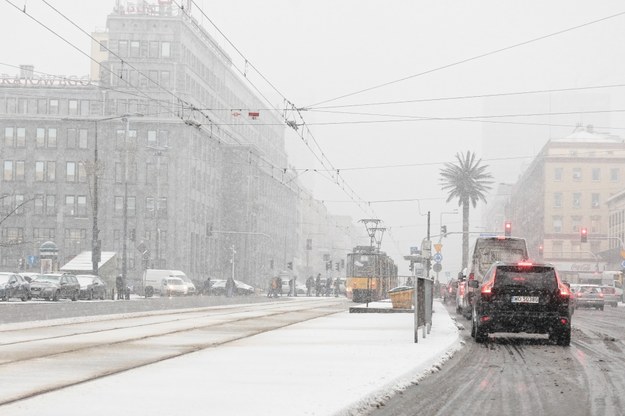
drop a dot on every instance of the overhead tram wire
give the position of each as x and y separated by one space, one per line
142 94
465 97
321 158
474 58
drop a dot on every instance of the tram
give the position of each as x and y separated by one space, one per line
370 274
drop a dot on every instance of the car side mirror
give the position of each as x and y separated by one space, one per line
474 284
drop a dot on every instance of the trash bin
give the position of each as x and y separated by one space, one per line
401 297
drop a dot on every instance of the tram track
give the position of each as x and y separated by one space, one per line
41 355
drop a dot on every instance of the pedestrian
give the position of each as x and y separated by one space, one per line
290 287
328 286
230 287
337 287
318 285
310 282
119 285
294 285
206 290
278 286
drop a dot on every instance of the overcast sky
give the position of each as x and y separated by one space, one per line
315 52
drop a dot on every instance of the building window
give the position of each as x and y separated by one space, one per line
51 137
70 205
596 174
132 206
577 174
83 139
72 107
45 171
165 79
577 200
85 108
43 234
40 137
71 174
557 224
38 203
22 106
13 170
614 174
595 200
122 48
50 205
118 207
152 138
53 106
557 200
21 137
9 136
165 50
557 174
576 221
135 47
595 224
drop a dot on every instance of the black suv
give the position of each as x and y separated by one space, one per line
522 297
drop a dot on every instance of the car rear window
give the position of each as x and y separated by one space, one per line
529 277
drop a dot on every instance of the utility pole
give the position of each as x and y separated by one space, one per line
125 226
95 244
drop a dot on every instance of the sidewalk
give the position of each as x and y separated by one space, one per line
341 364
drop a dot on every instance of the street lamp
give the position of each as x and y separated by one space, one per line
96 248
158 152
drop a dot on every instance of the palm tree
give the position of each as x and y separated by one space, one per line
467 181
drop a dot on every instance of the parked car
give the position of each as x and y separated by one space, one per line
191 289
91 287
173 286
29 276
450 292
55 286
13 285
610 296
521 297
588 296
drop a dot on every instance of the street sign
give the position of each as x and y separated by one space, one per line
437 267
437 257
33 259
414 250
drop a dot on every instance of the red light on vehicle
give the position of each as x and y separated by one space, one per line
471 276
501 237
564 290
487 288
564 321
525 264
600 294
485 318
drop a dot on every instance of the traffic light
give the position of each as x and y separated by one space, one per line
289 265
336 266
443 230
508 229
329 265
411 267
20 263
584 234
540 250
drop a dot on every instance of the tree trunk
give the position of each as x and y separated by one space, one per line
465 233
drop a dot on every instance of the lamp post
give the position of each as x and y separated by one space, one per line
158 152
96 248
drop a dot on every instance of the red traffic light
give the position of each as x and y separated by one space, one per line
508 229
584 234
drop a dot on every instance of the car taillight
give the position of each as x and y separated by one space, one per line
600 294
471 276
487 287
564 290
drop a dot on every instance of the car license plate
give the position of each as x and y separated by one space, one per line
524 299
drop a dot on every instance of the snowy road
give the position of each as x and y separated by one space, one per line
523 377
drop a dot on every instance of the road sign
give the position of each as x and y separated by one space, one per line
623 264
33 259
437 247
437 267
438 257
414 250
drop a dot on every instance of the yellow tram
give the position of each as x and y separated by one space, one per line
370 274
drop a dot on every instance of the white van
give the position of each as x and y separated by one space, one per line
153 280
